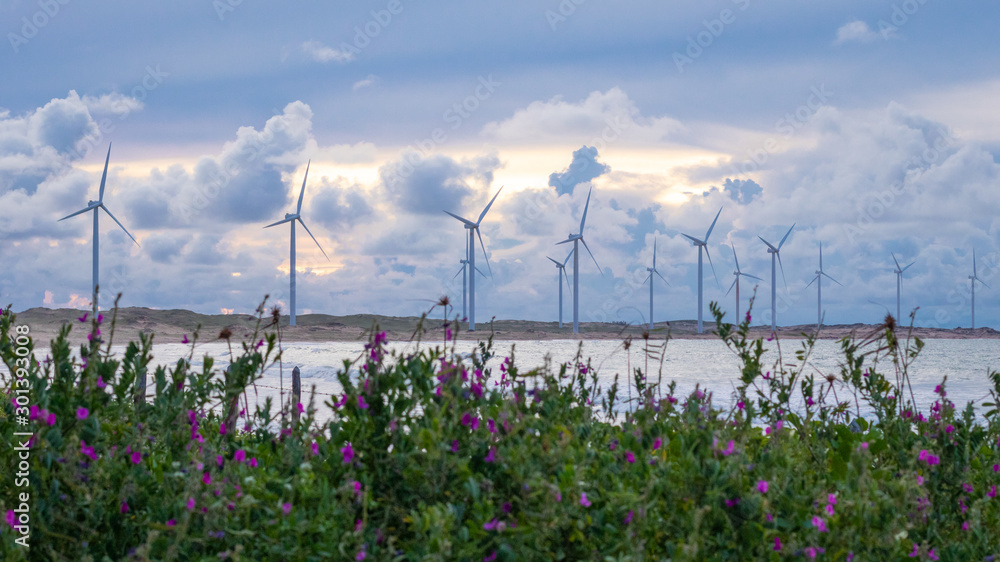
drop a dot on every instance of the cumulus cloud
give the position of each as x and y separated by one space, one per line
321 53
112 104
583 168
340 205
739 191
365 82
426 185
856 31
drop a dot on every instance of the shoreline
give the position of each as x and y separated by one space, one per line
171 326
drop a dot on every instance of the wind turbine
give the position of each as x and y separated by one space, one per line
562 273
736 282
818 280
703 245
291 218
96 206
899 280
576 239
651 271
463 271
973 278
473 228
776 256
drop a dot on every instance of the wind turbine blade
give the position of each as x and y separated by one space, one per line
984 283
813 281
120 224
569 286
303 223
566 241
713 225
895 260
693 240
585 207
734 256
554 261
481 272
769 245
733 285
832 279
80 212
648 278
592 256
302 192
282 221
908 267
460 270
567 257
484 250
974 274
466 221
782 243
751 276
785 281
486 210
719 285
654 253
821 256
661 277
104 178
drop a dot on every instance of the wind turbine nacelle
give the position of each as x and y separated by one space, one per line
289 215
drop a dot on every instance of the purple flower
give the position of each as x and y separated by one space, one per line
762 486
490 525
100 382
51 419
315 448
777 544
454 446
583 499
491 558
171 523
361 403
730 448
300 408
240 456
124 507
82 413
253 462
206 478
630 457
491 456
12 519
185 340
286 508
348 452
628 518
831 499
190 504
492 425
949 429
87 451
993 492
83 318
810 551
136 457
819 523
657 444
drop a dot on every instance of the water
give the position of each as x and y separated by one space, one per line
707 363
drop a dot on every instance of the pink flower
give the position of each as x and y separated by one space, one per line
730 448
993 492
315 448
629 456
222 429
100 382
124 507
357 488
206 478
818 522
185 340
777 544
361 555
492 425
100 318
831 499
762 486
136 457
583 499
253 462
658 443
51 419
454 446
83 318
300 408
87 451
965 525
12 519
171 523
628 518
286 508
492 455
829 510
491 525
361 403
348 452
810 551
219 459
240 456
949 429
82 413
932 555
190 504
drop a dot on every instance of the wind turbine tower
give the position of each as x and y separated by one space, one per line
818 280
972 279
291 218
776 257
736 282
576 239
899 281
652 271
561 267
473 228
96 206
703 245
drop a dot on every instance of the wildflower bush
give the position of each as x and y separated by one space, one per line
433 455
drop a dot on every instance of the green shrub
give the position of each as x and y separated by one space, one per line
429 456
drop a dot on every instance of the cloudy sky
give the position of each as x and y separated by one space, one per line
871 125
